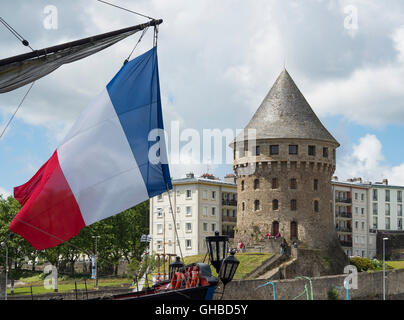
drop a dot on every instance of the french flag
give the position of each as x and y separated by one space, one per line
102 167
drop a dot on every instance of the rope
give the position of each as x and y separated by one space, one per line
15 33
175 223
9 121
125 9
140 39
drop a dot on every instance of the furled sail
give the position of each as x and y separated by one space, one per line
20 70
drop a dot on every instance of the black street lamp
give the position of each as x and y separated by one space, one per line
176 266
217 249
228 268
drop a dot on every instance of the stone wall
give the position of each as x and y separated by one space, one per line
370 286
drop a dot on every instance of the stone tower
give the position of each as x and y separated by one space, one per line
287 188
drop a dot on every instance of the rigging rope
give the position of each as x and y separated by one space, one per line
9 121
114 5
15 33
140 39
175 223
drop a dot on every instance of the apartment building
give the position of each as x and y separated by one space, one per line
202 205
361 209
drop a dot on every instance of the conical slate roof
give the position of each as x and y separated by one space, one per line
285 113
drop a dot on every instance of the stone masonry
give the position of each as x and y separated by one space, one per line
287 185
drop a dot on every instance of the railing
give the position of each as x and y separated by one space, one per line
227 202
343 214
229 219
346 243
230 234
349 200
341 229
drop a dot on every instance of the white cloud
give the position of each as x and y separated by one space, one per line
4 193
367 161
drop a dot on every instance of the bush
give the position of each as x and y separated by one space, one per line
366 264
333 294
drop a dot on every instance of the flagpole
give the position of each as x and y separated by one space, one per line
175 223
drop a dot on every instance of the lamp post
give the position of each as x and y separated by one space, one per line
217 248
384 268
95 262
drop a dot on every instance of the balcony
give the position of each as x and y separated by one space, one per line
344 215
344 229
227 202
229 219
228 233
341 200
346 243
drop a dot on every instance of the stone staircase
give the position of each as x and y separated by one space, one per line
275 273
267 266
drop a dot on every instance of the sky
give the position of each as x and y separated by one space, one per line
217 61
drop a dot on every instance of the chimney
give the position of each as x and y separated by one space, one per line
335 178
190 175
385 181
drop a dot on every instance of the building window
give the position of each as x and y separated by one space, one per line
316 206
356 225
387 209
205 227
159 228
274 149
159 245
213 211
356 196
160 197
375 195
388 195
256 205
234 213
375 222
363 226
275 204
256 184
243 206
399 223
257 150
160 212
293 205
400 210
333 154
356 209
362 211
189 194
293 149
275 183
213 227
293 183
188 227
178 226
188 243
205 211
242 185
399 196
213 195
325 152
188 211
362 197
312 150
205 194
228 213
315 184
387 223
375 209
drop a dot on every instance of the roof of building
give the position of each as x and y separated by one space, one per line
202 180
366 184
285 113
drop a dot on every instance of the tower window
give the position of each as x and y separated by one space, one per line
325 152
293 204
293 149
315 185
243 206
256 184
256 205
293 183
312 150
275 204
242 185
275 184
316 207
274 149
257 150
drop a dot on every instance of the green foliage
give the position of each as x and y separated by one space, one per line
333 294
119 240
366 264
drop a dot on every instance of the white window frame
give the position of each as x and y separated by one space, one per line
188 224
